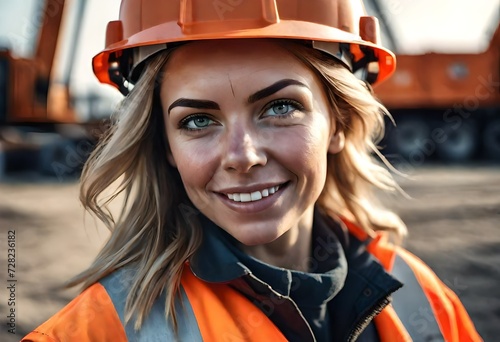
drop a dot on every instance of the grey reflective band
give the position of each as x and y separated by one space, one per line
155 327
142 53
334 50
413 307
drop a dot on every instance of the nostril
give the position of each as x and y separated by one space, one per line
243 149
243 160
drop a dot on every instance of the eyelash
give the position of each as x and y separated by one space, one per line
294 103
183 123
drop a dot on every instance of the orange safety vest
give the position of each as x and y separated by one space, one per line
217 312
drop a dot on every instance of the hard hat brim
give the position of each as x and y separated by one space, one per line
286 29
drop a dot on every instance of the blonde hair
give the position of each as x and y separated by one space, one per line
153 232
354 173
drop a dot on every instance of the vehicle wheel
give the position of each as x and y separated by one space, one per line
410 136
460 143
491 140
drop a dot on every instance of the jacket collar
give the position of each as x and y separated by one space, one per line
214 261
364 294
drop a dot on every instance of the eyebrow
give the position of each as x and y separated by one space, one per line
191 103
261 94
274 88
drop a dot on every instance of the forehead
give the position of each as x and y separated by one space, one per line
246 59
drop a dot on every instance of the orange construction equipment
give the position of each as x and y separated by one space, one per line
445 105
441 80
27 82
39 129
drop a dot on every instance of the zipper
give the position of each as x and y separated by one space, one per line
367 318
247 286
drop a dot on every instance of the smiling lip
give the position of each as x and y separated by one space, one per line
254 195
252 199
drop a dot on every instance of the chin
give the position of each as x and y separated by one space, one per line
257 237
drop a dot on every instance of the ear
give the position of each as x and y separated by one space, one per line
337 142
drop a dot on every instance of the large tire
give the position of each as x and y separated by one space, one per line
410 136
460 144
491 140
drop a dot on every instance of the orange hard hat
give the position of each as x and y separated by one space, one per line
337 27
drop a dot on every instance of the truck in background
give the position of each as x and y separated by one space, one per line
446 106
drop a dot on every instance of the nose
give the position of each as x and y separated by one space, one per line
243 151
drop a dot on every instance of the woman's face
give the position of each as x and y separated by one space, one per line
249 128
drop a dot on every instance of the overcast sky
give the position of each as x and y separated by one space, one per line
419 25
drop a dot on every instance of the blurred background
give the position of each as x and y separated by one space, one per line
444 97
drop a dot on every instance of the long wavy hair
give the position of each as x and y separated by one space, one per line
157 231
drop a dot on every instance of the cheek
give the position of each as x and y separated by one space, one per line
305 146
313 156
196 162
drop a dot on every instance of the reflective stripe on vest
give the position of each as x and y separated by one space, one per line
409 302
155 327
413 307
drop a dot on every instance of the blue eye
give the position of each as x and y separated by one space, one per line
196 122
282 108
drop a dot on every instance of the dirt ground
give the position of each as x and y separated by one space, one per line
453 220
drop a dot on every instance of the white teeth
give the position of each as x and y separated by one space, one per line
254 196
245 197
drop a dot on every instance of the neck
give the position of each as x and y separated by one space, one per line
291 250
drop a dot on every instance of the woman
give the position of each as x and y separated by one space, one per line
245 153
